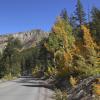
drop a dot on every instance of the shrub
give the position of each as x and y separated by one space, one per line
51 72
60 95
8 77
96 88
73 81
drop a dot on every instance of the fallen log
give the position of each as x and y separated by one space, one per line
82 89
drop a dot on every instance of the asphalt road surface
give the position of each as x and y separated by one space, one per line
24 89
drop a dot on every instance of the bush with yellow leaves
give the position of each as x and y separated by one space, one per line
96 88
60 95
51 72
73 81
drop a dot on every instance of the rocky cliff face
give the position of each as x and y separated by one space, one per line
27 38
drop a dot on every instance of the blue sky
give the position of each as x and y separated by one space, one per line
24 15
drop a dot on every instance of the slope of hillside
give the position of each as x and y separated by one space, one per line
27 38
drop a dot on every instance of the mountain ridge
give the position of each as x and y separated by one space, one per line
27 38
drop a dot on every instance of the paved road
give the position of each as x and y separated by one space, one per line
24 89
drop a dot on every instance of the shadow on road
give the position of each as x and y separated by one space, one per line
33 82
39 85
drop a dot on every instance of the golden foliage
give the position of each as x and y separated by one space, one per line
60 30
63 60
73 81
98 60
96 88
67 56
35 71
88 41
60 95
51 71
79 48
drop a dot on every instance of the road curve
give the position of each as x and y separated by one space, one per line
24 89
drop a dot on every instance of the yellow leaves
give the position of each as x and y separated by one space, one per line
73 81
98 59
96 88
63 61
62 58
61 44
8 77
60 30
60 95
51 71
35 71
59 27
89 43
59 58
67 56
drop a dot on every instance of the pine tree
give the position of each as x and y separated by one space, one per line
73 21
95 24
64 15
10 57
80 14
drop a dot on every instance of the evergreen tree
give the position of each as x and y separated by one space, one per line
64 15
95 24
10 57
80 14
73 21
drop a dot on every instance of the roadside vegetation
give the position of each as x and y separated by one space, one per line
70 54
